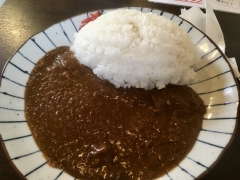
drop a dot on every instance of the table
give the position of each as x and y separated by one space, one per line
19 20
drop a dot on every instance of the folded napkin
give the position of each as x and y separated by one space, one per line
208 23
1 2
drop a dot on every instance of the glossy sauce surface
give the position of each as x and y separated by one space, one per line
96 131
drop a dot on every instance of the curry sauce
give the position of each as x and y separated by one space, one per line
97 131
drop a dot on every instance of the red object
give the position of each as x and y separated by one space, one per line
92 17
192 1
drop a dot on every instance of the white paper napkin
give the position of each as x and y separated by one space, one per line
208 23
1 2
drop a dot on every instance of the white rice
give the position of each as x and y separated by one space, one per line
134 49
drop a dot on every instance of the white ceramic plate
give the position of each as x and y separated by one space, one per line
214 83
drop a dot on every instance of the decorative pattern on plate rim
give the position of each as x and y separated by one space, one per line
214 83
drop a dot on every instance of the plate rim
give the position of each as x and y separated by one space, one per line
204 173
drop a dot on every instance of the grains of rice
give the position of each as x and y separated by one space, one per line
134 49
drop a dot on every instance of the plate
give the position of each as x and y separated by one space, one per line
214 83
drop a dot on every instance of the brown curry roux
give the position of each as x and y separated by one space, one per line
96 131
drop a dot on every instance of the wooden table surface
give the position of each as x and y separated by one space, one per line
20 19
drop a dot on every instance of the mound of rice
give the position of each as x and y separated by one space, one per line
134 49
